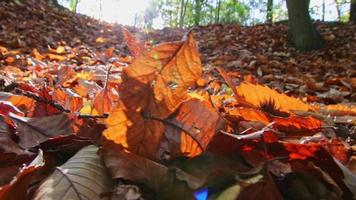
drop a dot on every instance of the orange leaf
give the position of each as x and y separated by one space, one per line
249 114
10 60
154 85
190 130
339 109
296 123
23 103
102 102
258 95
301 151
136 47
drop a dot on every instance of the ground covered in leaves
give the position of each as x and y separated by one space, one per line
90 110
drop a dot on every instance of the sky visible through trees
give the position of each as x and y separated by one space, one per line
131 12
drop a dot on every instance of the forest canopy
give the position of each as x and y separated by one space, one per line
186 13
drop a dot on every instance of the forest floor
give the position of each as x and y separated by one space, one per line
50 58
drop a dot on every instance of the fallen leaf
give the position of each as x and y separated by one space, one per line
32 131
83 176
259 94
167 183
190 130
136 47
12 157
18 188
154 85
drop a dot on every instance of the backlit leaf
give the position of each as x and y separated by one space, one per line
260 94
190 130
154 85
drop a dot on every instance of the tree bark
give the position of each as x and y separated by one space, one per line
269 16
183 8
302 34
217 19
197 14
338 10
353 10
323 10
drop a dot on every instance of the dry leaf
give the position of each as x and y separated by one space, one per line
83 176
154 86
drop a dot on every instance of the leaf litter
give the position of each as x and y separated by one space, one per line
90 110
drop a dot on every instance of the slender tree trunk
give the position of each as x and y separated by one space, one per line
338 10
302 34
55 4
323 10
353 11
197 14
183 8
269 16
217 19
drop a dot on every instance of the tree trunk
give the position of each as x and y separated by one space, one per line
302 34
353 11
217 19
338 9
323 10
183 8
198 7
55 4
269 16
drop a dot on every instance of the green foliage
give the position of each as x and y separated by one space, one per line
186 13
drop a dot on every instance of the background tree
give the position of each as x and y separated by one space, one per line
353 10
269 16
302 34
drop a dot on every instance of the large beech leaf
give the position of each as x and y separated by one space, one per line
32 131
190 130
82 177
157 81
154 85
166 182
258 95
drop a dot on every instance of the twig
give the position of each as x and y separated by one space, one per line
42 100
104 116
57 105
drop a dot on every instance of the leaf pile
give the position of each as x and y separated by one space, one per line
87 121
326 75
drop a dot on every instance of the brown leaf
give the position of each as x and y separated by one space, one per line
265 189
32 131
19 187
83 176
12 157
164 181
190 130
